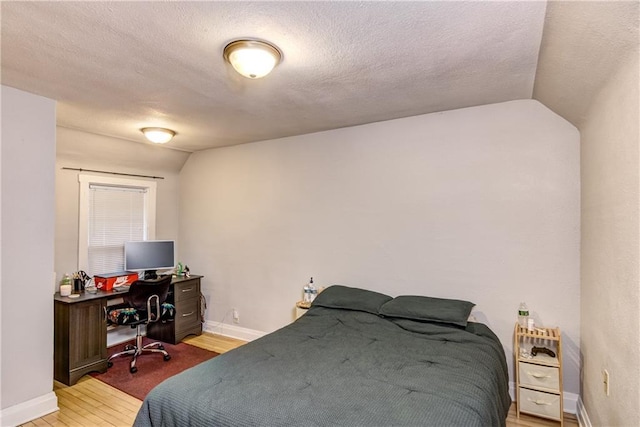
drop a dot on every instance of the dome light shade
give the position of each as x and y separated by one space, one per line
158 135
252 58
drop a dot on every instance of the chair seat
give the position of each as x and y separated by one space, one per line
119 315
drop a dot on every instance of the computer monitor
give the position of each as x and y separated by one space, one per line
149 256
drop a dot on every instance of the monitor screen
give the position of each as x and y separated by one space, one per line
149 255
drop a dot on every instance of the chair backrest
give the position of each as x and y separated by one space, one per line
141 290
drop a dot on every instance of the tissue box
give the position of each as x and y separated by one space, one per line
106 282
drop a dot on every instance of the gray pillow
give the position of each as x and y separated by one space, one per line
338 296
451 311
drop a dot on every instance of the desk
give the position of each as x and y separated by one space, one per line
80 327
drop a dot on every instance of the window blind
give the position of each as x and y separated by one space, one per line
116 215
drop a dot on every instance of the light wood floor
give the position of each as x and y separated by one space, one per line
91 402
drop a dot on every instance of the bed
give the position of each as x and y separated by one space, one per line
356 358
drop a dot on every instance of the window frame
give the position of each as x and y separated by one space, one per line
83 216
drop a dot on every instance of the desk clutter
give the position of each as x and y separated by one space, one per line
74 284
80 282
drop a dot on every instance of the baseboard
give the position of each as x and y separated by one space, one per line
583 417
29 410
569 401
232 331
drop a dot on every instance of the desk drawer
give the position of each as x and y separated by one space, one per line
537 376
539 403
187 313
185 296
186 290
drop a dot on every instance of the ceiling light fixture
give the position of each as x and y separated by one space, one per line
252 58
158 135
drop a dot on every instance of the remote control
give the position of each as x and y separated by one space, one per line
536 350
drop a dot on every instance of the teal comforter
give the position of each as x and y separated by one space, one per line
336 367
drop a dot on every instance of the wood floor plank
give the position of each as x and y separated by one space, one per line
109 409
78 392
96 391
80 416
53 419
110 394
39 422
68 417
91 402
218 343
84 409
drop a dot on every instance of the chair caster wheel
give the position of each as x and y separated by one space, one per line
133 370
109 364
160 347
167 357
128 347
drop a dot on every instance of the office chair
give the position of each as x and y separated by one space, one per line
143 304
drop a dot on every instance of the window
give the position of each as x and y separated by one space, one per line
113 211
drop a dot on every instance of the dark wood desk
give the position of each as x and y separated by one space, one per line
80 327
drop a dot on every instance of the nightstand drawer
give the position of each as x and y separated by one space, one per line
539 403
537 376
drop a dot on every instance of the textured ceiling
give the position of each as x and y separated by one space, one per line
584 43
115 67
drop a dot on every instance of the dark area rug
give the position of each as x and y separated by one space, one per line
152 368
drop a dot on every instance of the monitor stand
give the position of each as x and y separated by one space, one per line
150 275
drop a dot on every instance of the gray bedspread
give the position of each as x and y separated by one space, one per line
337 367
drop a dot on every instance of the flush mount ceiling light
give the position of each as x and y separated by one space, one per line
252 58
158 135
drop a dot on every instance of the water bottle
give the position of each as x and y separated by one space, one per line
313 292
523 315
307 294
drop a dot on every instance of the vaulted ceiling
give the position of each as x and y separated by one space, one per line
115 67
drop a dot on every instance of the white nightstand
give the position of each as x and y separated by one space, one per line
539 378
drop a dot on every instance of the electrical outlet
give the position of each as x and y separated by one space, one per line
236 316
605 380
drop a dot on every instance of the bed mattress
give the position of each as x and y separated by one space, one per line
335 367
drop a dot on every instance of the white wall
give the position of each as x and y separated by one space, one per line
610 250
77 149
28 154
480 204
1 251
